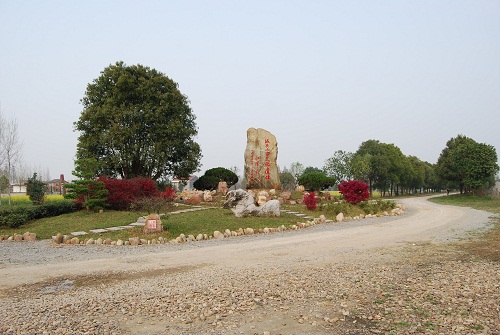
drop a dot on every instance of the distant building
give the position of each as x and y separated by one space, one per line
56 186
18 188
183 184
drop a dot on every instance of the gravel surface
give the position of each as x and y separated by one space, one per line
391 275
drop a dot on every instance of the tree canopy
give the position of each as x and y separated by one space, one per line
387 169
466 164
339 166
210 180
136 123
316 180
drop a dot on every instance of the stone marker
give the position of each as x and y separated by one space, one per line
261 154
153 224
222 188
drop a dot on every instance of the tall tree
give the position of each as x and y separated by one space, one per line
287 180
371 158
339 166
467 164
381 164
12 148
135 122
296 169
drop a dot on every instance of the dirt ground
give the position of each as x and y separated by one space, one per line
373 252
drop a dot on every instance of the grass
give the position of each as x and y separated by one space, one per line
487 245
78 221
207 221
200 222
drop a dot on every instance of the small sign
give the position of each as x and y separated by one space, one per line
152 224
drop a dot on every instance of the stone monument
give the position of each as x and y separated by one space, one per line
261 154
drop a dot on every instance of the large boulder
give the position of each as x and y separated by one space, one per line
243 204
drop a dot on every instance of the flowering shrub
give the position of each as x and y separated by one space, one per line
310 201
354 191
122 193
169 194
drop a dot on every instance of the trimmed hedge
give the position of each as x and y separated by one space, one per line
18 216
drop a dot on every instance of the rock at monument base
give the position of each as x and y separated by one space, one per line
242 204
222 188
207 196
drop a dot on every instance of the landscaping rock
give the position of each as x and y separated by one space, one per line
59 238
218 235
134 241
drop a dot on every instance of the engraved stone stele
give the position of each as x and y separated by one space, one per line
261 154
153 224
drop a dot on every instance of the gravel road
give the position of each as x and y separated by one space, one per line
390 275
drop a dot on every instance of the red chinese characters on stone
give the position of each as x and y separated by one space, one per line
267 171
260 159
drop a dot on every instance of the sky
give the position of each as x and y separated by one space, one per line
320 75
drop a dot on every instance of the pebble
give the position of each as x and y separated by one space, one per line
417 290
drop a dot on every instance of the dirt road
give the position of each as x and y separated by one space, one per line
423 222
305 282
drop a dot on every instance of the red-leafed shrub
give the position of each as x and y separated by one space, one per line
310 201
169 194
145 187
122 193
354 191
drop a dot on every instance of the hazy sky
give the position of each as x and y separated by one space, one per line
321 76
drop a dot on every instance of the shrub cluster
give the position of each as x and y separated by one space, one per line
310 201
169 194
17 216
354 191
86 193
123 193
334 208
376 206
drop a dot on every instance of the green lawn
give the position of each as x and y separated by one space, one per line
486 203
204 222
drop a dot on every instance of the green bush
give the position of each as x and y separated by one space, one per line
13 220
376 206
36 190
342 207
17 216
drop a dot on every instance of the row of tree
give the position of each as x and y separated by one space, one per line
13 171
10 151
135 122
463 164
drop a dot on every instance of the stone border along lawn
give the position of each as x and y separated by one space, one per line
135 241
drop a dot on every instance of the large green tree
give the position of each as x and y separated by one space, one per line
466 164
135 122
296 169
339 166
383 165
